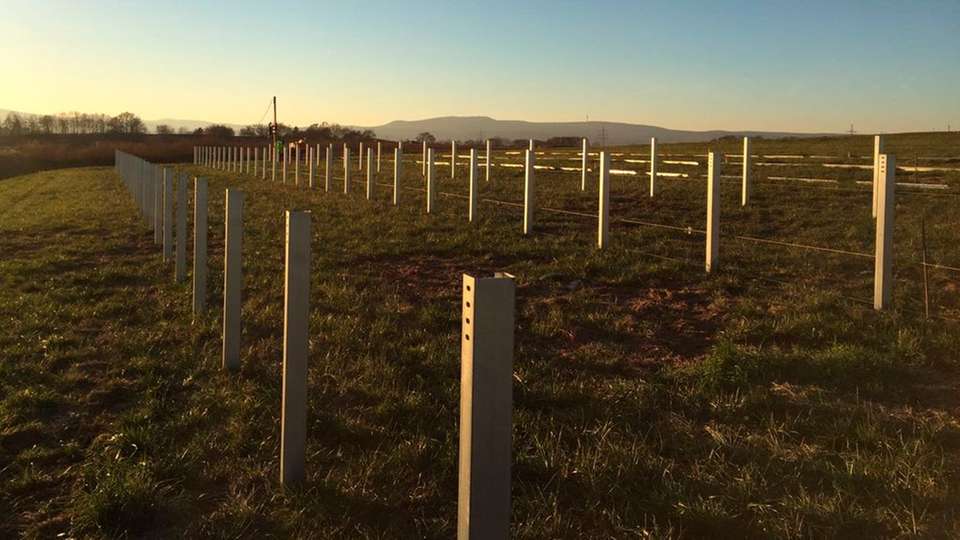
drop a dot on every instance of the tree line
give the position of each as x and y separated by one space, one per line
72 123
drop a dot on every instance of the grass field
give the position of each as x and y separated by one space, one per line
765 400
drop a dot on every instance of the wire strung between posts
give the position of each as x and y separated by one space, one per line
687 230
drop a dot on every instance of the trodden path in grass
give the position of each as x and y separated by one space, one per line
649 399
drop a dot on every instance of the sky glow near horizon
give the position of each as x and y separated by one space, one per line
777 66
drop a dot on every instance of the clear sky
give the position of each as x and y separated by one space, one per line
766 65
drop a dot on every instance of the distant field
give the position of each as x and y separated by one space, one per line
765 400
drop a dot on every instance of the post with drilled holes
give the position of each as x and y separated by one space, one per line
529 199
232 279
430 180
883 261
653 166
199 246
396 176
326 174
296 319
746 188
167 214
486 408
603 216
877 150
180 268
713 210
369 173
583 164
474 191
487 160
453 158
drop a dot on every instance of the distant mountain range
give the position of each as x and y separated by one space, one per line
483 127
614 133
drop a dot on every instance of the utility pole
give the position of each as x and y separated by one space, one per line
275 128
851 132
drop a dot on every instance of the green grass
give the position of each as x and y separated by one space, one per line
765 400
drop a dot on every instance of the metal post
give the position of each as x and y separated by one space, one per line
886 208
653 166
486 408
603 216
369 173
326 176
714 159
296 326
474 191
529 199
583 164
180 268
430 180
453 158
346 169
487 158
232 279
199 246
746 188
396 176
167 215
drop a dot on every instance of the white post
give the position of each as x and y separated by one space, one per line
877 150
714 159
474 192
746 188
653 166
886 212
157 191
453 158
296 326
167 214
232 278
430 180
296 167
486 408
369 173
379 149
199 246
360 157
529 202
396 176
531 145
583 164
487 158
326 175
346 169
423 160
180 266
310 166
603 217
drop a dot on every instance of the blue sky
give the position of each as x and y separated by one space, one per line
798 66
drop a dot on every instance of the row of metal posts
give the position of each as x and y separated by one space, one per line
712 244
486 371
